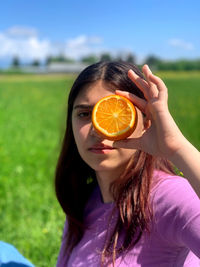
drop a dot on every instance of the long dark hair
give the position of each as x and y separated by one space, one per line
130 191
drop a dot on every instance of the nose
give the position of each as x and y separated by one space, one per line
94 133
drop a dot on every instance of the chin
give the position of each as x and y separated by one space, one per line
103 167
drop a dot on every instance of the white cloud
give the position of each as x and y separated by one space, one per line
25 43
21 31
83 40
178 43
83 45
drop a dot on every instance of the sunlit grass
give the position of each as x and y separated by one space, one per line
184 103
32 120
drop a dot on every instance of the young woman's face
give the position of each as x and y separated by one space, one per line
97 152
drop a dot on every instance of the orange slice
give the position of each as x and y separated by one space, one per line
114 117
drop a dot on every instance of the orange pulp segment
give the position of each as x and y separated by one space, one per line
114 117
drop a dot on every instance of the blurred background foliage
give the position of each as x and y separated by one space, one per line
155 63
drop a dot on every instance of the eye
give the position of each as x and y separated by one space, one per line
84 114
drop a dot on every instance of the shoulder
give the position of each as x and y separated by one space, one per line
175 205
171 190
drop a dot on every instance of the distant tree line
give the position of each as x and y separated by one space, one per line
90 59
16 63
176 65
154 62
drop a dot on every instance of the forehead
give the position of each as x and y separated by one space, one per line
94 92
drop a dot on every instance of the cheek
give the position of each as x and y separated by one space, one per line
80 132
126 154
81 137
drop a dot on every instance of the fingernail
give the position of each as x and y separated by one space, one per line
148 68
131 71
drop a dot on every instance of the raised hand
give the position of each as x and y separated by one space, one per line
162 136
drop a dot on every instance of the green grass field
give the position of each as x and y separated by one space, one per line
184 102
32 120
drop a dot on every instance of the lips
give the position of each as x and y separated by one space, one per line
101 149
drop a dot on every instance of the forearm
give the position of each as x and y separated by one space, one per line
187 160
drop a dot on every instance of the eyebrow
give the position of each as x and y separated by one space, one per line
82 106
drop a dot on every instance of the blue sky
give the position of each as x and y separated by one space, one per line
37 28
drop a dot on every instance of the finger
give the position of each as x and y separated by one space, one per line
162 89
140 83
146 70
153 90
139 102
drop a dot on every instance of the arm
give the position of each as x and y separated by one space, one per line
187 159
177 213
162 138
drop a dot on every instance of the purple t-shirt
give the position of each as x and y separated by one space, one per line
174 238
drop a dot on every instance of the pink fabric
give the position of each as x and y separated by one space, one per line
174 239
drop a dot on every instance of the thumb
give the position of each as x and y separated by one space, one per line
129 143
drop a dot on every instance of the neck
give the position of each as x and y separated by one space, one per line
104 180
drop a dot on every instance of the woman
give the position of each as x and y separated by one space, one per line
124 204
